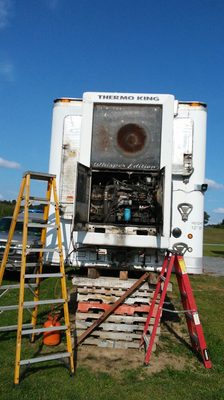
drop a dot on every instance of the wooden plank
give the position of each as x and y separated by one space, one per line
115 283
113 292
123 336
123 275
112 299
122 309
106 282
113 327
93 273
106 343
112 318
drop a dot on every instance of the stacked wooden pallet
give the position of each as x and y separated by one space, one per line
122 329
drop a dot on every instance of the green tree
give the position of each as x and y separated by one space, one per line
6 207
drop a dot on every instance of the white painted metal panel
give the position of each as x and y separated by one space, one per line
70 155
189 190
182 143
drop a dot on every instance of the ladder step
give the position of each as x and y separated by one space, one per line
48 329
32 264
42 250
42 302
39 175
40 225
53 275
13 327
49 357
31 304
17 286
9 308
41 200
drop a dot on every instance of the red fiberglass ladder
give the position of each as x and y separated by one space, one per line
176 262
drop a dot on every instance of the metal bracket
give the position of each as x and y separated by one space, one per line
180 248
184 210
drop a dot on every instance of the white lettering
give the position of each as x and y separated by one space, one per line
113 165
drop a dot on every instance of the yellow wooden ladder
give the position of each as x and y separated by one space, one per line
32 329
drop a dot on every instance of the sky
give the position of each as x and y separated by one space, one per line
62 48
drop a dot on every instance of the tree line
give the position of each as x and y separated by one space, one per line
7 207
206 222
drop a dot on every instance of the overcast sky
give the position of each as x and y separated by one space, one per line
62 48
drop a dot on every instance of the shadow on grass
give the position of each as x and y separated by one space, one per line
31 369
170 315
218 252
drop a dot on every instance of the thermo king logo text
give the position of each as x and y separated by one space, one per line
127 97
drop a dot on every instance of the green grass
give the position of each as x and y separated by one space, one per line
213 251
213 242
52 381
214 235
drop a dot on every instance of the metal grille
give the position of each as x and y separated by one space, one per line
126 136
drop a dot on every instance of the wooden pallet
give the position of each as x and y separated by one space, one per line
122 329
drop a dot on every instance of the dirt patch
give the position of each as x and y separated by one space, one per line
114 361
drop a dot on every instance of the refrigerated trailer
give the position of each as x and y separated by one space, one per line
130 170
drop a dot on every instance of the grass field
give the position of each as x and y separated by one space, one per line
213 242
185 379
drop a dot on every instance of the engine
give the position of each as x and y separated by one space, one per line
126 198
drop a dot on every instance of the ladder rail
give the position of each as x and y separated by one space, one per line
168 265
153 303
12 229
180 270
22 281
194 324
62 271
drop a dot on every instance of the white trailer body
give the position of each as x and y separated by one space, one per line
130 171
